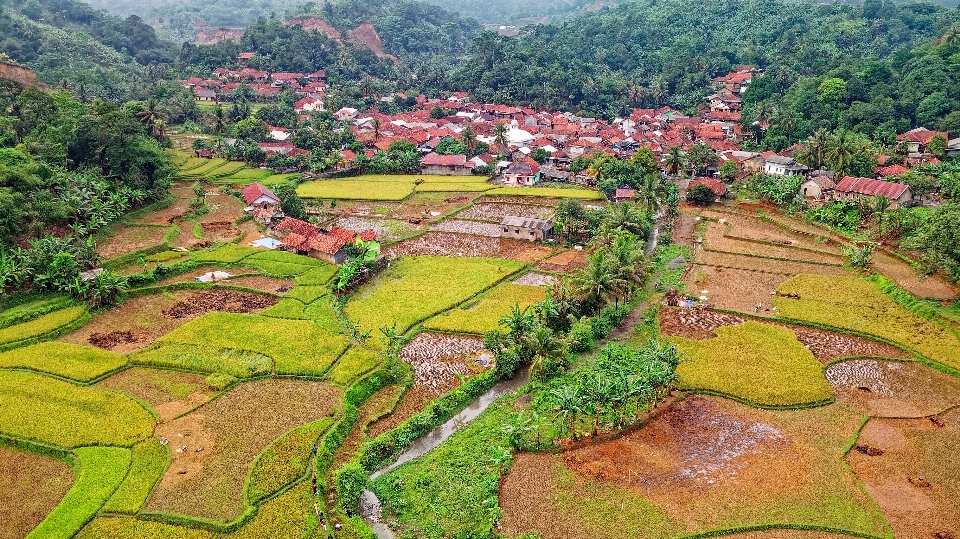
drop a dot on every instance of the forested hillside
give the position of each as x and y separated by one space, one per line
69 41
646 52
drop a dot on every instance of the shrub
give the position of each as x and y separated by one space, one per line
101 471
50 411
581 337
351 481
701 195
508 362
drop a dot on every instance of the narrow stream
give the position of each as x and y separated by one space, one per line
651 245
370 505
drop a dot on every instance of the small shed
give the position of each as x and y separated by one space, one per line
624 195
525 228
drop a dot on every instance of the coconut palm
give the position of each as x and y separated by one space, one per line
218 121
817 147
376 130
840 152
500 134
548 352
626 217
878 206
598 281
518 323
469 138
674 160
150 113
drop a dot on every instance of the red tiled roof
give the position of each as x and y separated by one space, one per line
255 191
624 193
295 240
368 235
891 170
346 235
296 225
718 188
871 187
922 135
445 160
326 243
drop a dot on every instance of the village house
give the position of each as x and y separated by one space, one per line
624 195
850 188
818 188
916 140
524 174
446 165
528 229
261 203
204 95
303 238
778 165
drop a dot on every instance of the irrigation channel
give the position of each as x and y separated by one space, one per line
370 505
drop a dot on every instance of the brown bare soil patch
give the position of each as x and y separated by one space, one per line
754 228
320 25
565 262
892 388
916 482
166 216
752 263
454 244
130 239
250 232
232 431
468 227
191 276
32 486
260 282
733 289
222 208
701 323
428 206
906 277
219 231
200 303
495 212
701 464
438 359
171 393
366 34
139 316
716 240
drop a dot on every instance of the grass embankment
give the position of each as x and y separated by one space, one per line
452 490
49 411
150 461
296 346
238 363
73 361
101 471
414 288
285 460
858 305
759 363
485 314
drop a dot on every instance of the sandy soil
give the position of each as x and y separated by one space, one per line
166 216
212 447
565 262
916 479
32 487
906 277
893 389
733 289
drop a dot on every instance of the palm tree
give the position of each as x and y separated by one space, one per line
546 349
879 205
376 129
469 139
817 147
674 160
598 280
219 122
568 397
518 323
626 217
150 113
840 152
628 262
500 134
598 392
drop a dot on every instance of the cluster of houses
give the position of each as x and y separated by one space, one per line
309 87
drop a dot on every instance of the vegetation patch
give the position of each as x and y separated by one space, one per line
307 294
150 461
296 346
213 446
485 315
30 310
228 253
357 189
43 325
475 187
204 358
285 460
54 412
81 363
415 288
283 264
101 470
761 363
290 309
547 192
317 276
352 365
858 305
32 486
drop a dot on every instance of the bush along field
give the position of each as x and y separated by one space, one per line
576 395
